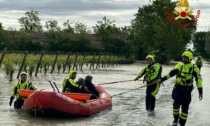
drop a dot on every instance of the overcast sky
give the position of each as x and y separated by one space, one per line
87 12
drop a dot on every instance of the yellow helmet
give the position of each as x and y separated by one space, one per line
150 57
72 72
23 73
188 54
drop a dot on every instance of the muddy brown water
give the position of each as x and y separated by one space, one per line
128 109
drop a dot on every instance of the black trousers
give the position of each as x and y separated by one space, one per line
150 99
182 99
18 104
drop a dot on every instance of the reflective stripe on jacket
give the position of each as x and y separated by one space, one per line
152 72
185 73
25 85
70 85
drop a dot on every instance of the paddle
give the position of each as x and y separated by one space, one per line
56 87
51 85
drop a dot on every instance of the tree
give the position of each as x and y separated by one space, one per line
68 27
80 28
153 34
207 43
31 21
4 38
199 39
52 25
113 39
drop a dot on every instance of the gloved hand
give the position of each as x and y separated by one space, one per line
11 100
136 78
162 79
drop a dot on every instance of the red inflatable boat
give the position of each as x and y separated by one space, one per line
51 102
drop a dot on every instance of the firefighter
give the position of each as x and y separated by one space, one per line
199 62
152 72
70 86
22 84
185 72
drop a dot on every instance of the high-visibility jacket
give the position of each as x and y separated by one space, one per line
199 62
24 85
185 74
152 72
70 86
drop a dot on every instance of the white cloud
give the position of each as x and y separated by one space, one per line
86 11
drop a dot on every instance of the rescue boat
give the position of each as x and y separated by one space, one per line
47 102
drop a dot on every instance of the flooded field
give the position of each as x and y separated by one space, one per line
128 108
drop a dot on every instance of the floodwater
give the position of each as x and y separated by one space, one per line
128 109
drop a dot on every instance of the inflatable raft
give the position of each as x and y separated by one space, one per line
50 102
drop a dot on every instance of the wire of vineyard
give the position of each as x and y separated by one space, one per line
49 63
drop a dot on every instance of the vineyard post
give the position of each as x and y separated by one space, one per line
22 64
83 60
103 64
53 67
109 60
39 63
2 55
118 62
75 60
67 60
98 62
92 62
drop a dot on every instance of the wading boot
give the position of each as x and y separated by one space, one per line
175 122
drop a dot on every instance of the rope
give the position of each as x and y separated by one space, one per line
146 85
117 82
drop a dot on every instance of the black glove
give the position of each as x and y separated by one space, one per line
163 78
11 100
136 78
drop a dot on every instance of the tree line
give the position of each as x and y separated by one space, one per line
150 32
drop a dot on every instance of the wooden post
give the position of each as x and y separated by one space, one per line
92 62
98 62
75 60
22 64
105 60
109 60
53 67
82 61
2 55
67 61
118 60
39 63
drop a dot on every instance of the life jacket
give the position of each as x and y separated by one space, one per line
151 69
185 76
25 85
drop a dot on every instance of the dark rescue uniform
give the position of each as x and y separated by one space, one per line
20 100
152 73
70 86
183 88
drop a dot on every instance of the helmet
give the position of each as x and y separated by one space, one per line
188 54
23 73
71 72
150 57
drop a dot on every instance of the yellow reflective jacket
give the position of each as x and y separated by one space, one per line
199 62
69 85
25 85
152 72
185 74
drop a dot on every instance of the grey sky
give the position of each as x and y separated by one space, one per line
87 11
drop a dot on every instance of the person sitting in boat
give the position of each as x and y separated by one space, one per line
22 84
91 88
70 86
